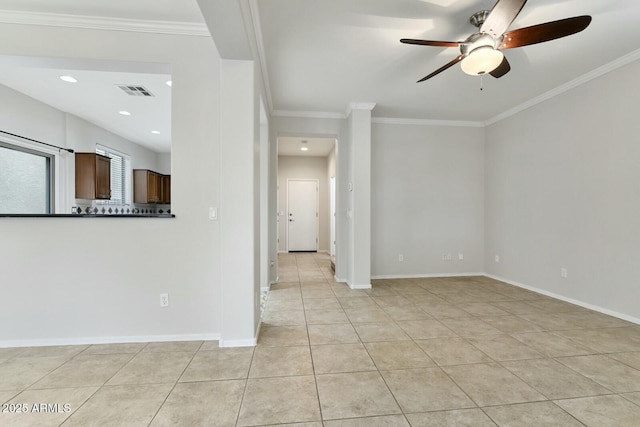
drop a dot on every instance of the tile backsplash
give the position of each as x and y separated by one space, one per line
90 209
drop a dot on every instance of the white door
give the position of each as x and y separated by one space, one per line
302 215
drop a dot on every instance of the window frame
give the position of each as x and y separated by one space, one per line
127 171
53 204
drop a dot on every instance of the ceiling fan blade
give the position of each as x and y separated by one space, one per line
501 16
502 69
545 32
441 69
430 43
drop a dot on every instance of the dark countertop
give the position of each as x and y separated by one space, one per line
87 216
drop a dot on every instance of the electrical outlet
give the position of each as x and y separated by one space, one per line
460 256
401 258
164 300
563 273
497 258
449 257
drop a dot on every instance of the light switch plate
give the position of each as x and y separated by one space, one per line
213 213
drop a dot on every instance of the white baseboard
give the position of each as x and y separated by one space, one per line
108 340
425 276
239 343
567 299
252 342
359 285
353 285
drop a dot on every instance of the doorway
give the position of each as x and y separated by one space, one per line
302 215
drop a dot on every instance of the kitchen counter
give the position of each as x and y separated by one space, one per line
150 215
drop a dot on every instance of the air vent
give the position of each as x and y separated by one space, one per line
135 90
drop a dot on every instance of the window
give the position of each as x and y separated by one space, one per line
120 177
26 180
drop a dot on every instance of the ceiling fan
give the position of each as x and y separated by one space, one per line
481 52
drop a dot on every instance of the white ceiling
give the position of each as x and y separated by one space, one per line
96 96
317 147
321 55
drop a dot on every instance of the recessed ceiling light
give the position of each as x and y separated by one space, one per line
155 132
68 79
124 113
304 148
169 83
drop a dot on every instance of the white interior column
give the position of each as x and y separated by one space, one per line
359 117
239 234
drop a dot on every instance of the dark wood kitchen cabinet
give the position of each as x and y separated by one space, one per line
93 176
151 187
165 196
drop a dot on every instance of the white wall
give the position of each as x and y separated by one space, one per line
299 167
83 136
331 173
55 269
25 116
331 163
562 192
163 163
427 200
240 237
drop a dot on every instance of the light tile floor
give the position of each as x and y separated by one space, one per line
412 352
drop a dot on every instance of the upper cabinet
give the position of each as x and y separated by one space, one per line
151 187
166 189
93 176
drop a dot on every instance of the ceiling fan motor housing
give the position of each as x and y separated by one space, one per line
478 18
477 40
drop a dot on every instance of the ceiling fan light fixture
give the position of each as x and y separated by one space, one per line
482 60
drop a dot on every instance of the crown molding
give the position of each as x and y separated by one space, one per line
308 114
585 78
359 106
102 23
378 120
427 122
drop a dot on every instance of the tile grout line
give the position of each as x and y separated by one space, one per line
246 385
175 384
435 365
313 366
102 386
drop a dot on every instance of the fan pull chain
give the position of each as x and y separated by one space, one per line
481 82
